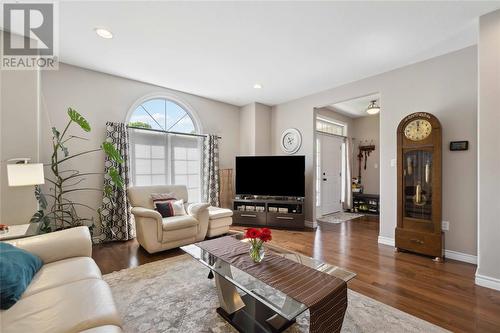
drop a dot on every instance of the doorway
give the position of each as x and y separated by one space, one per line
347 151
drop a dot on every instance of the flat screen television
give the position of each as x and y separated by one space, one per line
270 175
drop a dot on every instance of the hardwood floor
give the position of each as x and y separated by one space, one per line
442 293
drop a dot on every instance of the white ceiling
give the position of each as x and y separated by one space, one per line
221 49
356 107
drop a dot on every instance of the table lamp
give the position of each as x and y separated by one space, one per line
23 173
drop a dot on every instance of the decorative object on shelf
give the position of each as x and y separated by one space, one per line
366 203
291 140
459 145
62 212
419 185
257 238
373 107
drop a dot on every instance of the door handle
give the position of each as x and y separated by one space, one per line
248 215
284 218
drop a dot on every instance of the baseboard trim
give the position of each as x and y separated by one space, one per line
487 281
460 256
465 257
386 240
311 224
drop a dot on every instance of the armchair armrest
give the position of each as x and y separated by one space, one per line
196 209
145 212
59 245
200 212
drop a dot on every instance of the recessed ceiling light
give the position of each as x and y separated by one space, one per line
257 86
104 33
373 108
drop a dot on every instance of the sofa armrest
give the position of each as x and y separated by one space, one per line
200 212
145 212
59 245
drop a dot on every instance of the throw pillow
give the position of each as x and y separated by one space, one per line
17 269
170 208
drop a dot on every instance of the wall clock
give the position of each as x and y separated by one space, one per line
291 140
419 185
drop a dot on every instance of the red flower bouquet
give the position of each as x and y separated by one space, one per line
257 239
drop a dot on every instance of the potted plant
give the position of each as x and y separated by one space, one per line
62 212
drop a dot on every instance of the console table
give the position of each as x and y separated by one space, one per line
269 212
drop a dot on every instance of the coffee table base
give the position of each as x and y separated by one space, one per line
255 317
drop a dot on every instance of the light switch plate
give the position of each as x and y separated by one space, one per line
445 225
393 162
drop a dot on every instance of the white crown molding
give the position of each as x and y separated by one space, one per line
487 281
469 258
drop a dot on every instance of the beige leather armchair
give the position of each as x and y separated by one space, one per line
155 233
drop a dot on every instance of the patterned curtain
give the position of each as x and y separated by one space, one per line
117 221
211 183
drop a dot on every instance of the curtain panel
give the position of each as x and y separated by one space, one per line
211 180
117 224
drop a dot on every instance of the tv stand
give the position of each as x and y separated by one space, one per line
269 212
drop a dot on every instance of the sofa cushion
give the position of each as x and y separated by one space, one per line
62 272
217 213
71 307
17 269
178 222
220 222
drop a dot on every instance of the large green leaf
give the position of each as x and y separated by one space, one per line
37 217
111 151
56 133
79 119
116 178
40 197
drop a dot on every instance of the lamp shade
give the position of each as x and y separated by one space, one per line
25 174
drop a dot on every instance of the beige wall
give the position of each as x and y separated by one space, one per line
19 110
364 131
101 97
445 86
488 271
247 129
255 129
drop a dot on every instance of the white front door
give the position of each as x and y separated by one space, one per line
331 173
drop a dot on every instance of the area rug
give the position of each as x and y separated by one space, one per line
174 295
339 217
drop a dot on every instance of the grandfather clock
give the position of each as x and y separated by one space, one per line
419 185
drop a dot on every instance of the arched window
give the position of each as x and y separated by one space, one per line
165 155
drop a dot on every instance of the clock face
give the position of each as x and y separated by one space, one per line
291 140
418 129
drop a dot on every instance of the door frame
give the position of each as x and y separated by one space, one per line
316 208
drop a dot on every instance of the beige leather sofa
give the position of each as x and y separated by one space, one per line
155 233
68 293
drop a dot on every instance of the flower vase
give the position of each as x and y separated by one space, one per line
257 252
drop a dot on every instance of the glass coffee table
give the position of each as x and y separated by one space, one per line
249 304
